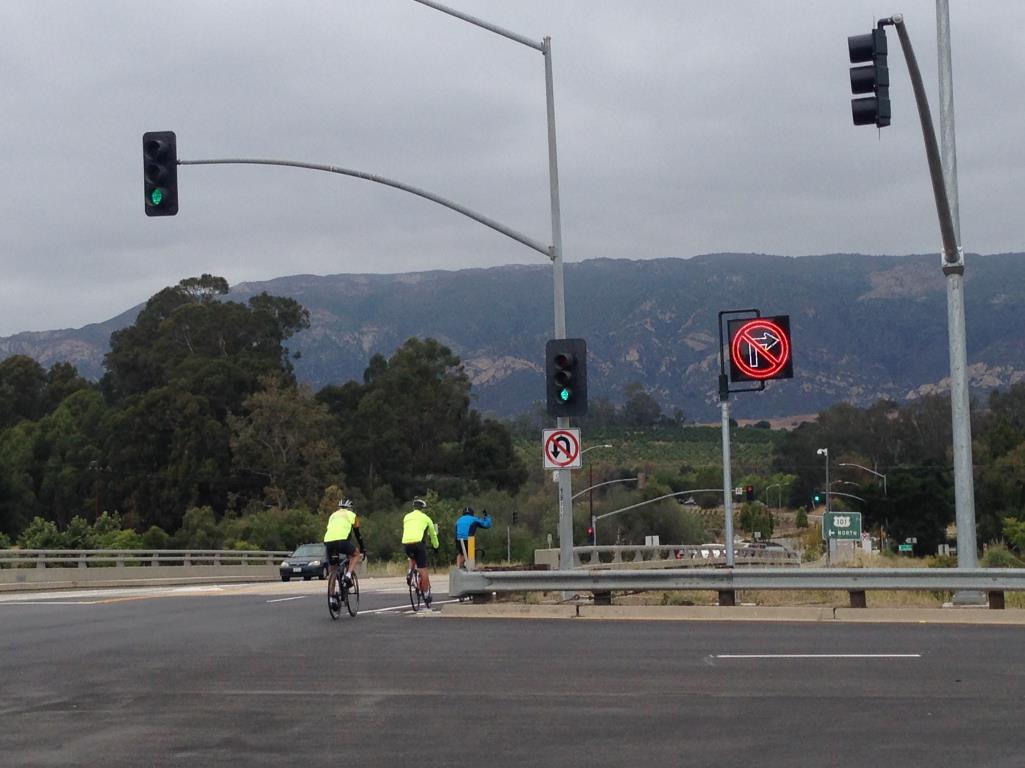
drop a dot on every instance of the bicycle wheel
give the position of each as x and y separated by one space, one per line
334 602
352 596
414 591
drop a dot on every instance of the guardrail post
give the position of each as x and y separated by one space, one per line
40 562
858 598
217 558
187 560
81 560
153 559
996 599
119 561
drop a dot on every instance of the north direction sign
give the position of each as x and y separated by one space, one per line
760 349
843 526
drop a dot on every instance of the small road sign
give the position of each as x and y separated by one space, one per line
561 448
843 526
760 349
905 547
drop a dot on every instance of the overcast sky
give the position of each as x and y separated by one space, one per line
683 128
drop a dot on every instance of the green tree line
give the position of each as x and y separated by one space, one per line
198 425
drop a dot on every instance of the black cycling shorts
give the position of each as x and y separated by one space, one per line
462 546
340 547
418 553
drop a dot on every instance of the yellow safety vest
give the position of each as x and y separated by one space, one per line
413 526
340 525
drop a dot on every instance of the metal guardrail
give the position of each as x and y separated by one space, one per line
601 583
85 558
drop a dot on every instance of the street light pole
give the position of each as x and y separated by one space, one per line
872 471
825 452
590 482
555 254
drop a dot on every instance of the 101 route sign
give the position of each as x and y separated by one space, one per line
760 349
843 526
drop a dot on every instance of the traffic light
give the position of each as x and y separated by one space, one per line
749 492
590 535
818 498
566 377
515 517
871 78
160 172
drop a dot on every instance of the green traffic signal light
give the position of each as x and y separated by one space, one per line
160 172
564 394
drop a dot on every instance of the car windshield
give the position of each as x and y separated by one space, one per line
309 550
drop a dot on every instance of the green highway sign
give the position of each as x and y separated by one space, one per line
843 526
905 547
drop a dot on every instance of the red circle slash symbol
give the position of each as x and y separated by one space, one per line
760 349
562 448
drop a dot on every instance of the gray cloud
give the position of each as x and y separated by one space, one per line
683 127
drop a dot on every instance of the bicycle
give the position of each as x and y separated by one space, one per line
339 593
416 596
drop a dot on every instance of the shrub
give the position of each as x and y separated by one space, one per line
41 534
156 538
801 521
999 556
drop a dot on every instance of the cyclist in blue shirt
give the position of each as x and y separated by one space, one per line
466 526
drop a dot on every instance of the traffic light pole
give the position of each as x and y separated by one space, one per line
727 474
944 183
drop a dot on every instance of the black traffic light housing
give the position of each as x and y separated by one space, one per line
566 377
749 492
160 172
515 517
871 78
590 535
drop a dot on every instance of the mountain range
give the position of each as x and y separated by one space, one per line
863 327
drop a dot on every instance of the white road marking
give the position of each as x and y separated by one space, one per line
283 599
818 656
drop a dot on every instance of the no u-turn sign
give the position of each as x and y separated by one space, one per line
561 448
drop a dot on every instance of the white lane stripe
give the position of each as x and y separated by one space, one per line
818 656
406 607
283 599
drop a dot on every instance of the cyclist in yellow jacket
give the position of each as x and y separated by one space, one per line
341 527
414 525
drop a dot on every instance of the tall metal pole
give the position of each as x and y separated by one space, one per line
565 475
944 183
960 405
727 481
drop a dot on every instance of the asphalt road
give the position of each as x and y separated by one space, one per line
260 675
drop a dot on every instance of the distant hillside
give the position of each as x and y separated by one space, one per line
864 327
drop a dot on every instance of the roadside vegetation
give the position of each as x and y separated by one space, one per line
198 436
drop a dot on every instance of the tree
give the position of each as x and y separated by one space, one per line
640 409
410 426
284 438
755 518
182 328
22 390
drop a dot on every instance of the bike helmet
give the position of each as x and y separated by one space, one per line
345 504
419 504
468 511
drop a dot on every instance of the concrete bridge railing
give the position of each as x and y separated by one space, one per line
58 568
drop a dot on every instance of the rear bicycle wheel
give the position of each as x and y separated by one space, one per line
334 600
414 591
352 596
